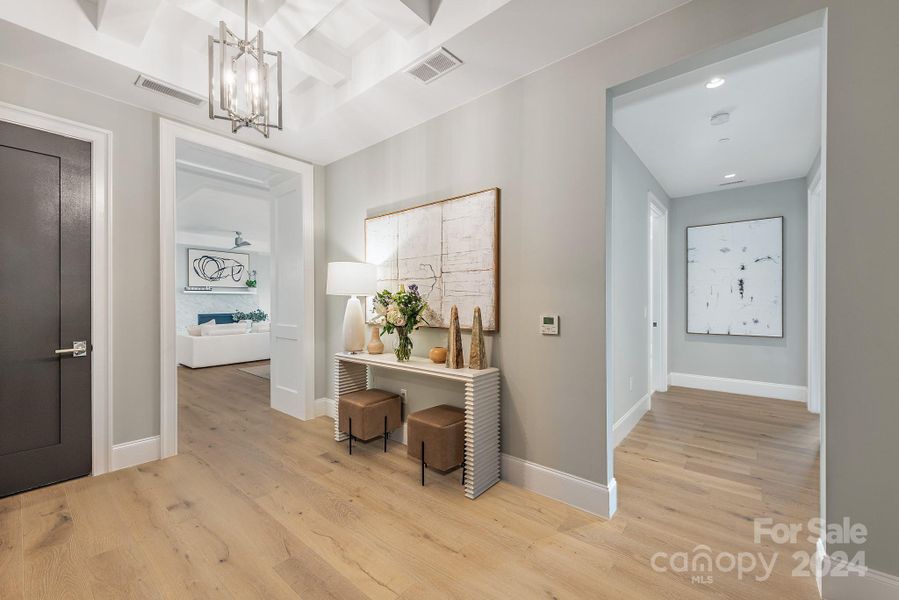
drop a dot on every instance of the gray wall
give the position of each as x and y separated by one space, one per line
539 143
629 184
772 360
135 250
543 140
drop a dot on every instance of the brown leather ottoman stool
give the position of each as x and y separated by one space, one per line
368 414
436 436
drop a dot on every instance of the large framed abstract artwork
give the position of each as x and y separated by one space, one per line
735 278
217 268
449 248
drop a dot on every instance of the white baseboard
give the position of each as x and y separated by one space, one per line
586 495
134 453
324 407
780 391
820 555
854 585
625 424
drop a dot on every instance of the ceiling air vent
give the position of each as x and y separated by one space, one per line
434 65
169 90
726 183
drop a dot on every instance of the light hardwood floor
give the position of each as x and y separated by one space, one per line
259 505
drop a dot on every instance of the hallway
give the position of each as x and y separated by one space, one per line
259 505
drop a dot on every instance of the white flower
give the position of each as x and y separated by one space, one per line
395 317
380 309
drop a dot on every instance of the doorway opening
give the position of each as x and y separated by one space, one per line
237 267
717 199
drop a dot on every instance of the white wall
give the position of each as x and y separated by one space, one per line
629 184
770 360
188 306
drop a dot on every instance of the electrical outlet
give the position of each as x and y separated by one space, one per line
630 384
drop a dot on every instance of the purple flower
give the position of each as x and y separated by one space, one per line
413 288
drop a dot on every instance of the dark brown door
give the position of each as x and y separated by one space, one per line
45 306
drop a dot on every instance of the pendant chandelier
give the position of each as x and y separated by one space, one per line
246 78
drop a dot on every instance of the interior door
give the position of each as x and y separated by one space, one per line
45 321
658 236
288 377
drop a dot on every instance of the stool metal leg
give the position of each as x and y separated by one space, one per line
350 437
386 433
423 464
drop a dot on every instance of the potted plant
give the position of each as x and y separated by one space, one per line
401 312
256 316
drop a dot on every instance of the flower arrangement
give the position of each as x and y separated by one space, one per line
401 312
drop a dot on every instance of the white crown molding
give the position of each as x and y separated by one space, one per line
626 423
779 391
576 491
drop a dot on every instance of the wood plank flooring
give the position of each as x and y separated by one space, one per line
259 505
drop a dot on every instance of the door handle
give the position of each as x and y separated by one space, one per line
78 349
655 324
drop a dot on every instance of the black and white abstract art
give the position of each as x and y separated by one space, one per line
217 268
735 278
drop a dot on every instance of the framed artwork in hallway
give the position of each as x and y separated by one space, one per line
735 278
448 248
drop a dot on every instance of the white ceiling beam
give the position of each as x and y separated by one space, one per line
422 8
318 45
400 16
126 20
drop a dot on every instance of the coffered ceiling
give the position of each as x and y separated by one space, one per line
344 60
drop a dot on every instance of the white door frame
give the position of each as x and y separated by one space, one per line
169 133
817 219
101 268
658 363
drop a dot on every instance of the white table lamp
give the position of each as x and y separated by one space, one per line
352 279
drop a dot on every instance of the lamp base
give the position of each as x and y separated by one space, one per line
353 326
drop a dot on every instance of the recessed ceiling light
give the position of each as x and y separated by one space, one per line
730 175
714 82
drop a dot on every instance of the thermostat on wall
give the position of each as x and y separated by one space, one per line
549 324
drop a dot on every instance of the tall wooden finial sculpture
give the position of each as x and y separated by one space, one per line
454 356
478 357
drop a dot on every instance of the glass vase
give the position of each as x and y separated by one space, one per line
403 346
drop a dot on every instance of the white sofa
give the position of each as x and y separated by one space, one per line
209 351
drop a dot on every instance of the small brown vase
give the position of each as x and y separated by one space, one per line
437 354
375 346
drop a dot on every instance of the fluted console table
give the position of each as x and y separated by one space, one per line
352 372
